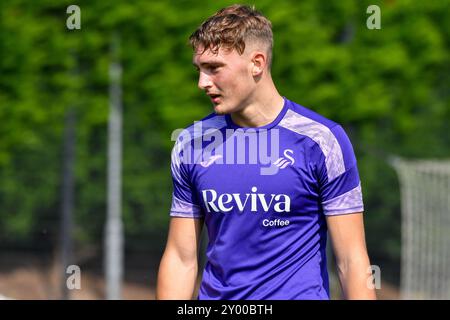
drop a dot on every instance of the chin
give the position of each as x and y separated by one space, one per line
220 110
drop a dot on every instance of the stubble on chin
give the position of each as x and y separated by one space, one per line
219 111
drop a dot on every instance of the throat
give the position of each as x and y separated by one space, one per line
258 114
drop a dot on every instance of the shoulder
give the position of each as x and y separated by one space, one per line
327 137
211 121
199 128
306 121
184 138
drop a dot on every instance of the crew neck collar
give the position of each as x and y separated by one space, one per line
270 125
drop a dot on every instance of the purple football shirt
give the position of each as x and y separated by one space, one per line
267 229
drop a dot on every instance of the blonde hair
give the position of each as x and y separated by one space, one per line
231 28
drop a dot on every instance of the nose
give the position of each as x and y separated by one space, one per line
204 81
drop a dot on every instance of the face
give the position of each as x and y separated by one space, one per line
226 77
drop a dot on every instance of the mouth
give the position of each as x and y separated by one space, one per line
215 98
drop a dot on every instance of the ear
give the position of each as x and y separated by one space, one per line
259 60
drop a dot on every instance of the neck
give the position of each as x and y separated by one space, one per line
264 106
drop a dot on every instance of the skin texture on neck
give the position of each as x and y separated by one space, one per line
264 107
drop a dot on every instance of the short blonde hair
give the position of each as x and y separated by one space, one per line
231 28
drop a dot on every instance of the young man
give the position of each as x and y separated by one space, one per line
267 229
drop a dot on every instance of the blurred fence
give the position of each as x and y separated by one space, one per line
425 197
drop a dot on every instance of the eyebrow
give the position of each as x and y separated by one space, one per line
209 63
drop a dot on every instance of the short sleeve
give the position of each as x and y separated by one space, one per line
184 202
340 186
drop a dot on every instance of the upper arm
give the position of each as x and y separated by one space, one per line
347 236
184 200
338 177
186 220
184 238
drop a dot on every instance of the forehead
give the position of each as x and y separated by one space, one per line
208 57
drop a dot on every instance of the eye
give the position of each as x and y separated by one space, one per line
214 69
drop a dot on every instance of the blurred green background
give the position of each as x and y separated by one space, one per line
389 89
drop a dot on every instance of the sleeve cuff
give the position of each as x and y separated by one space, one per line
184 209
349 202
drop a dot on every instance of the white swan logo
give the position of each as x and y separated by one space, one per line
283 162
210 161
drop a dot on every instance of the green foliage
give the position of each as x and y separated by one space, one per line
388 88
